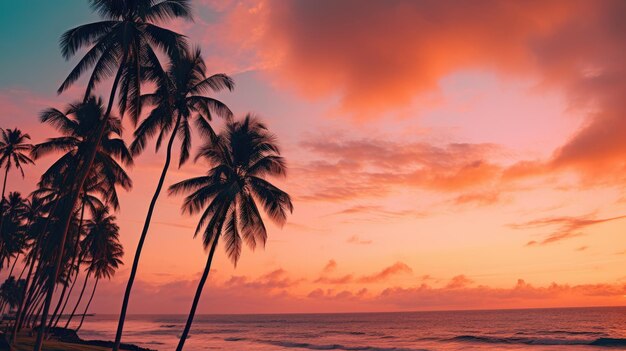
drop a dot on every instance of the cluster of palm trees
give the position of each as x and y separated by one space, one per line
66 226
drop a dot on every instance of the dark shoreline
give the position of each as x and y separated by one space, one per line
70 336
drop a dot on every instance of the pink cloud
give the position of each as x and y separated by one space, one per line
380 56
330 266
567 227
458 282
374 167
396 268
355 239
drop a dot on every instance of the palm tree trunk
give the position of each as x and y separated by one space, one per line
80 297
32 308
4 186
142 238
20 310
4 183
24 302
28 226
20 314
33 291
196 298
14 262
22 272
34 302
82 319
56 309
67 299
76 191
36 314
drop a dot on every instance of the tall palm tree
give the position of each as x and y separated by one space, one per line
120 45
103 249
34 214
13 150
80 125
179 97
240 158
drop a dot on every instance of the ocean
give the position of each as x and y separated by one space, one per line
601 328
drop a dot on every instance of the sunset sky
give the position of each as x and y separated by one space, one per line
442 155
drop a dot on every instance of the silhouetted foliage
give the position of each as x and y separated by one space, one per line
240 158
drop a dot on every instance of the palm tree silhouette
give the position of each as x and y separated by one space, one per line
13 238
240 158
178 98
121 44
79 124
11 292
33 213
87 200
13 150
102 248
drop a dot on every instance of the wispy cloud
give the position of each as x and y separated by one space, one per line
566 227
355 239
369 168
382 275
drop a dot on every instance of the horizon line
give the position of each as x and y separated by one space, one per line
368 312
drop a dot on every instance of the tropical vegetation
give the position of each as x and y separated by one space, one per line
65 231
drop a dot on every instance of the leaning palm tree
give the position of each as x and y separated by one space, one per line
103 250
120 45
93 203
179 97
240 158
80 124
13 150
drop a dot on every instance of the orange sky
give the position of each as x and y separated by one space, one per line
442 155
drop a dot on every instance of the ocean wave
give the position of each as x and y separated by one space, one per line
340 332
562 332
608 342
309 346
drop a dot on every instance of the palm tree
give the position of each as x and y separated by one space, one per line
240 157
103 249
13 149
11 292
79 125
121 44
34 210
13 238
178 98
94 204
